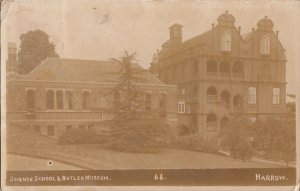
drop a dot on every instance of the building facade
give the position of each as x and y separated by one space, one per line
222 72
61 94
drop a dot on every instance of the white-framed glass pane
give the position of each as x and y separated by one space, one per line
265 44
252 95
276 95
226 41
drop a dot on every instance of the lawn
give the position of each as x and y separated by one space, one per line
25 142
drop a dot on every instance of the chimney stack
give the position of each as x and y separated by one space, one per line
175 34
11 63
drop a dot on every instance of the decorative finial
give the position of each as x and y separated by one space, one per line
226 11
266 17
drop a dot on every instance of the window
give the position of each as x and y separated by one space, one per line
276 95
86 100
211 94
59 99
68 102
265 44
82 127
252 119
116 101
211 66
226 41
148 101
30 99
188 108
51 130
252 95
181 106
183 91
50 99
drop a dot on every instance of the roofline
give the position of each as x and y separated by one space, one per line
97 83
38 66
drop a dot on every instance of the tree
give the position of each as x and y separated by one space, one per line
276 137
134 128
35 48
237 137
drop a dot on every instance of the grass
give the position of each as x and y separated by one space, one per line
25 142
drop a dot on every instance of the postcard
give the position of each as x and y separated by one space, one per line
168 95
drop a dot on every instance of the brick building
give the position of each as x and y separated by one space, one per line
60 94
221 72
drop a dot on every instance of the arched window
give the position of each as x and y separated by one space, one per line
30 99
238 68
225 67
116 100
86 100
238 102
211 66
226 41
225 99
50 99
212 91
265 44
211 121
59 99
211 94
163 104
69 100
148 101
211 118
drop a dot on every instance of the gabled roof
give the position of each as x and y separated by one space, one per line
74 70
193 42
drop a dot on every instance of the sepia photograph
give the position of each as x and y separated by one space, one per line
149 93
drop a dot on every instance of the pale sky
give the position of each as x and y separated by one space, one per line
91 29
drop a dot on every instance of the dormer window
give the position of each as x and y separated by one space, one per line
226 41
265 44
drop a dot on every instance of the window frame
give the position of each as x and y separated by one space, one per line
52 99
275 96
226 41
265 44
181 106
252 95
31 104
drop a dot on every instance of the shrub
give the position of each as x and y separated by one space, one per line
81 136
195 143
137 135
242 151
185 130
